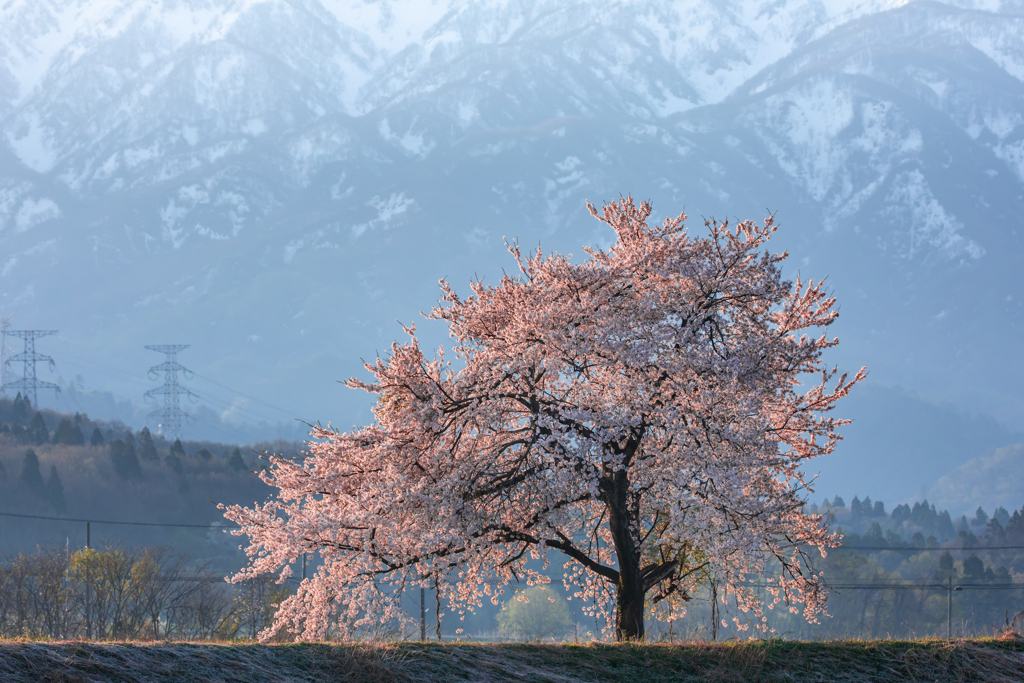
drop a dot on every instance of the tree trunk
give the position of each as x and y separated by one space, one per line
629 610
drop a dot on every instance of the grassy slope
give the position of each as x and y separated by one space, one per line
860 661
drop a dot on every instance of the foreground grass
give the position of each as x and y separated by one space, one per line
860 661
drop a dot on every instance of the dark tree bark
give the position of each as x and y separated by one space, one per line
629 611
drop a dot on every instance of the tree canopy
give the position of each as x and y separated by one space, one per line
645 412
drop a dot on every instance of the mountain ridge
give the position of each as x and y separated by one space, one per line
278 180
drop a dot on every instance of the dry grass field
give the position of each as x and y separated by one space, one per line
854 661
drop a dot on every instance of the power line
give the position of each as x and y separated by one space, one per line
838 586
87 363
211 398
107 521
251 398
914 587
29 384
171 415
227 406
915 549
206 526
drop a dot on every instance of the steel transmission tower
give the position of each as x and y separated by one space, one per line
29 384
170 416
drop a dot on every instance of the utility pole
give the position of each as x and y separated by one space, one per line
949 607
170 416
88 582
714 611
29 384
423 613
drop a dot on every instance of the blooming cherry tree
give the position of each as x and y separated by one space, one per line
645 412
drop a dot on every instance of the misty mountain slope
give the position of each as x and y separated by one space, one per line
276 182
914 185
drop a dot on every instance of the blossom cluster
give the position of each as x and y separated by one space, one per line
646 412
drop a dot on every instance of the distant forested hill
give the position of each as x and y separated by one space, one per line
56 465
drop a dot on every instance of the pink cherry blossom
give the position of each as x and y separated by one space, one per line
646 412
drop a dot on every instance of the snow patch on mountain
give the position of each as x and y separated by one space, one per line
176 209
930 227
33 212
33 145
569 179
413 143
1004 49
312 149
392 25
811 118
11 194
1013 154
236 207
387 211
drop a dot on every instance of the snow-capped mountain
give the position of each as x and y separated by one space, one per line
276 181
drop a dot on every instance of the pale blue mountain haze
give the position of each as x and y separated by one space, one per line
277 182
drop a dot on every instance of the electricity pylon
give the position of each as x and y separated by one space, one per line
170 416
29 384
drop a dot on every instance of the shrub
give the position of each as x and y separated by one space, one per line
534 614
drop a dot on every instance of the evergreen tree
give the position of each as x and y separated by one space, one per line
974 567
873 536
147 450
235 461
97 437
174 458
68 433
943 524
923 515
3 472
994 532
900 513
126 464
204 454
37 430
55 491
855 508
945 566
838 502
1015 526
129 447
30 474
19 411
62 432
